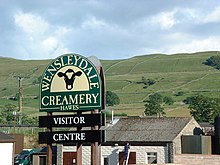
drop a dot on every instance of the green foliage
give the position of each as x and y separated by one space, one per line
112 98
6 114
213 61
37 80
203 108
153 109
168 100
29 120
156 97
153 106
147 82
179 72
180 93
188 100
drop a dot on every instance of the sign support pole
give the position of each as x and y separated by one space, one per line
79 147
95 147
79 154
49 145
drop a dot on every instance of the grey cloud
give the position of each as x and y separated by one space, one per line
125 31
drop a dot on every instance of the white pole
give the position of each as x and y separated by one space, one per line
112 115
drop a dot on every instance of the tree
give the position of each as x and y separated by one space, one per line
112 98
29 119
37 80
168 100
6 114
213 61
156 97
147 82
180 93
153 106
204 109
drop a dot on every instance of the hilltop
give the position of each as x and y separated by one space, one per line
173 74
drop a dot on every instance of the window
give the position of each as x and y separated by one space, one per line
42 160
106 161
151 158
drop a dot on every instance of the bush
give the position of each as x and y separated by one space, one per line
147 82
213 61
168 100
112 98
179 94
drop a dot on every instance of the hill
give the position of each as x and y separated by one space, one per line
174 74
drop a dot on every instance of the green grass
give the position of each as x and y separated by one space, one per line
173 73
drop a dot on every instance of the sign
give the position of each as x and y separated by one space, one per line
70 83
72 136
83 120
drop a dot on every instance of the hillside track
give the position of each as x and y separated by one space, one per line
137 64
178 87
115 64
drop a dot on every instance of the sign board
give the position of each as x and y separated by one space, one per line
83 120
70 83
72 136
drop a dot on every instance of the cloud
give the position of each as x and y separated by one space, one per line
196 45
93 23
44 29
213 16
165 20
31 24
38 38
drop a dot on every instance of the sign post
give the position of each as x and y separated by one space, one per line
72 83
79 149
96 146
49 145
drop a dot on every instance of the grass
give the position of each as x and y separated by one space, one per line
173 73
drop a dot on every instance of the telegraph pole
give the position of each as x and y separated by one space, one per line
20 93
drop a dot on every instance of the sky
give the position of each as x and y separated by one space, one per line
107 29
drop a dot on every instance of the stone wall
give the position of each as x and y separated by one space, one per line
141 153
197 159
112 152
188 130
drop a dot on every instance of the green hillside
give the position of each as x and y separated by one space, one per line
183 73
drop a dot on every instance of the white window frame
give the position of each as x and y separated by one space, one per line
152 155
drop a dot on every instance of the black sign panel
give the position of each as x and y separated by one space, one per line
72 136
86 120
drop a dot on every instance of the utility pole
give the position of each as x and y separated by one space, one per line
20 93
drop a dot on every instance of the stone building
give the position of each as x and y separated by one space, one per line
152 141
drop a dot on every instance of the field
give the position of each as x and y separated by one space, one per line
183 73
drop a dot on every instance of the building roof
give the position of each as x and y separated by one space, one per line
133 129
5 138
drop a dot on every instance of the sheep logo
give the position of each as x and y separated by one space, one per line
69 77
